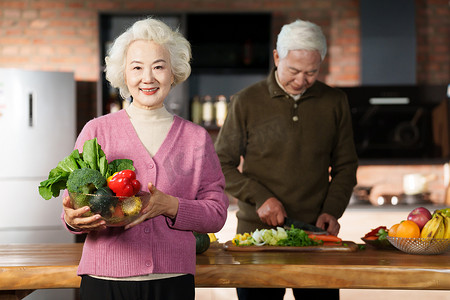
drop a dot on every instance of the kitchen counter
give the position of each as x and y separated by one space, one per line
27 267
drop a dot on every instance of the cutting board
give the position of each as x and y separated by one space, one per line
345 246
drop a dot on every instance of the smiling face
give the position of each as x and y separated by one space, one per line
298 70
148 73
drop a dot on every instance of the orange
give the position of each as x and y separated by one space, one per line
408 229
393 230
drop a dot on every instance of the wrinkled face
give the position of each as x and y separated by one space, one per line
298 70
148 73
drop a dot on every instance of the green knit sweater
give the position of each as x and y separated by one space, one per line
300 152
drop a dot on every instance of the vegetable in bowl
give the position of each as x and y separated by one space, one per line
109 189
92 158
115 210
85 181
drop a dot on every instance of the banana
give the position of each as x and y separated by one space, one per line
427 228
445 212
432 227
440 232
447 227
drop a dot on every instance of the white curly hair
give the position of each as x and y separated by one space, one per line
149 29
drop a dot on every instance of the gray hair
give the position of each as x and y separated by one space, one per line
150 30
301 35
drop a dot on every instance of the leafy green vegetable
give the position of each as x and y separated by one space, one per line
92 157
297 238
85 181
382 234
118 165
71 162
280 236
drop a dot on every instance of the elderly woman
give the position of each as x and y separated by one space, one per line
153 257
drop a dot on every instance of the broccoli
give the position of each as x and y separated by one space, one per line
85 181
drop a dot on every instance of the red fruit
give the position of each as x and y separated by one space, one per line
420 216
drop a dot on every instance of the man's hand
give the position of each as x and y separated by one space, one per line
328 223
272 212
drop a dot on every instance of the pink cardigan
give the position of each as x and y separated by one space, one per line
186 166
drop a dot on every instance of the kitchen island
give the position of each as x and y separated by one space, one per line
28 267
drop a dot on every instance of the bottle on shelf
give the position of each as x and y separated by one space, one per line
196 110
221 110
208 112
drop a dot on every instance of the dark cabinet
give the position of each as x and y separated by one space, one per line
230 51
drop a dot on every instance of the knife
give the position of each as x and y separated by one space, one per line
288 222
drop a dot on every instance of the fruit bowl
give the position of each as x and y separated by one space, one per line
425 246
117 211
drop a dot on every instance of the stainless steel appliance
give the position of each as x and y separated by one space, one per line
37 130
392 122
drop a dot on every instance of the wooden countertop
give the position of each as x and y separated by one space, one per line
26 267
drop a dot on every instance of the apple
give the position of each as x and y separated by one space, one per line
420 216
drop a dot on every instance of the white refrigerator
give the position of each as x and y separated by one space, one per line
37 130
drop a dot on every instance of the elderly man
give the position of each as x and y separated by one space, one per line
295 136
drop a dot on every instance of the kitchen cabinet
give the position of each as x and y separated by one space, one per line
388 44
230 51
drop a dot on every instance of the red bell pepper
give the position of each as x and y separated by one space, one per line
124 183
379 232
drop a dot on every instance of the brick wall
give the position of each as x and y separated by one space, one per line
63 35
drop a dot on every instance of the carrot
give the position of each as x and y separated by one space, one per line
325 238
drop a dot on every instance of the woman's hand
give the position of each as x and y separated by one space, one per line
74 218
159 204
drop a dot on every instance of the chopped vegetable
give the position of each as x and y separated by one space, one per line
242 239
85 181
297 238
325 238
279 237
124 183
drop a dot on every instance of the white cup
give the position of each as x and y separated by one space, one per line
414 184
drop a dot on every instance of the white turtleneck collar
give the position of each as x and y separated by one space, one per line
152 126
141 114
